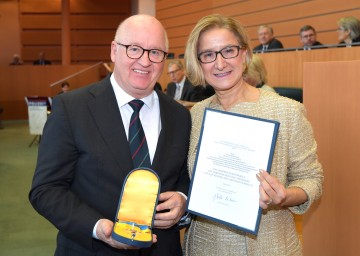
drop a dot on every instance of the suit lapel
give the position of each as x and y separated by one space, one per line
106 114
185 89
162 148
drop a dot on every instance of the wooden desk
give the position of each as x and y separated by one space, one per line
286 68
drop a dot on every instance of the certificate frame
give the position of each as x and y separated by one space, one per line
224 187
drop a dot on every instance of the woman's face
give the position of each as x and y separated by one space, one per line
342 34
222 74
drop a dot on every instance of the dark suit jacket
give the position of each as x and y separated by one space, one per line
316 45
355 40
186 92
42 62
274 44
84 158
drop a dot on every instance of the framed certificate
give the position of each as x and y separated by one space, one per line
232 149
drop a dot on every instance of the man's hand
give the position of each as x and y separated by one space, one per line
175 203
103 232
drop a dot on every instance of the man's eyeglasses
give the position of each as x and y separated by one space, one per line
228 52
308 36
173 72
136 52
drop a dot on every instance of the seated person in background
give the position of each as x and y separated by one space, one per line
308 38
257 74
267 39
201 92
179 88
16 60
65 87
42 60
349 31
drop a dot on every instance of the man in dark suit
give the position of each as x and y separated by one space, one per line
308 38
42 60
267 39
180 87
84 154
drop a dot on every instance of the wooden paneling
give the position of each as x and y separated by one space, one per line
95 54
331 96
108 21
41 37
32 21
104 7
286 68
40 6
20 81
92 37
92 25
286 17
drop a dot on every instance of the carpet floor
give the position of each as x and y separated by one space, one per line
22 230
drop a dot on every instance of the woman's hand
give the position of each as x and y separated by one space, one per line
272 192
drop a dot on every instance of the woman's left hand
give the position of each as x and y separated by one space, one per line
272 192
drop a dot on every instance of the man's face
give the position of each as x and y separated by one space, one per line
65 88
176 74
137 77
265 35
308 37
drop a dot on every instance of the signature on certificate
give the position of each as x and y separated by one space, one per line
223 199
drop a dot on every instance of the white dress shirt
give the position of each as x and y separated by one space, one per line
149 115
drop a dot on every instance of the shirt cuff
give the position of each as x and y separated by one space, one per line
94 230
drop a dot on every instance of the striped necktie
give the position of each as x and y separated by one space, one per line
137 140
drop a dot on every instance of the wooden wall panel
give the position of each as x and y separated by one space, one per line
26 80
92 37
40 6
92 25
91 53
41 37
91 21
332 227
286 68
104 7
286 17
33 21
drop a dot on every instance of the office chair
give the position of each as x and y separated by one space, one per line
290 92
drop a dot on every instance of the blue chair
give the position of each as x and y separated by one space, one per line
290 92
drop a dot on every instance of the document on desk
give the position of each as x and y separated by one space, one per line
232 149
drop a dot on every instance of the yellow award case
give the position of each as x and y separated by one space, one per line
136 208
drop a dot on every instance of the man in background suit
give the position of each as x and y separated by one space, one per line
267 39
308 38
180 87
42 60
84 155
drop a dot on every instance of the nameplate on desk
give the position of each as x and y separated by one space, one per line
232 149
